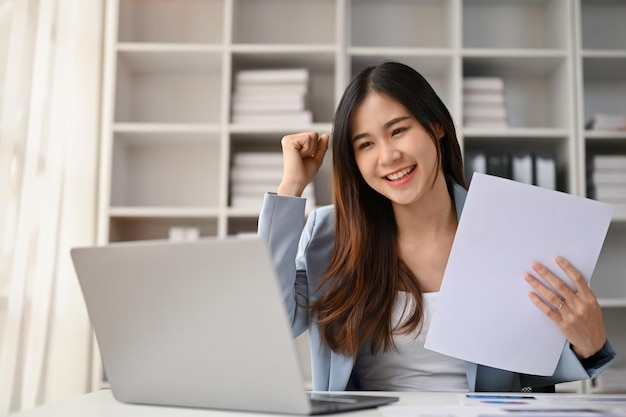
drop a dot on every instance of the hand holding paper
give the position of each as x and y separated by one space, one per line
484 314
576 312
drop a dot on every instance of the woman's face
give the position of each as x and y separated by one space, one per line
395 154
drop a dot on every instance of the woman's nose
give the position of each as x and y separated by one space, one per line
389 152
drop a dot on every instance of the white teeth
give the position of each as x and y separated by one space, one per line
397 175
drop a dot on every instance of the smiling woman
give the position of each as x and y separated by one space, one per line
364 275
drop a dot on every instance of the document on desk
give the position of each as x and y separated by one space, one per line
518 405
484 314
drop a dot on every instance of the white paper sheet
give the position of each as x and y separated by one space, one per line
484 314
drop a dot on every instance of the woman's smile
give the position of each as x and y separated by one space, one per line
401 176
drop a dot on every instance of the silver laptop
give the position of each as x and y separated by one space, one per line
198 324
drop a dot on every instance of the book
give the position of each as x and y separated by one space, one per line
180 234
499 164
258 159
619 211
272 88
545 171
271 96
486 122
253 188
250 202
265 75
483 83
495 112
610 193
484 103
612 177
470 99
296 117
475 161
522 169
275 101
608 162
258 174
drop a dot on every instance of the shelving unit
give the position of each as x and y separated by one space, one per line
601 88
168 143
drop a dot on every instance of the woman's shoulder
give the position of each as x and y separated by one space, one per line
320 224
327 210
322 216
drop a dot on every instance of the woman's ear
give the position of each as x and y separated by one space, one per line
439 131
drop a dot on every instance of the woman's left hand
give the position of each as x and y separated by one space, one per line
576 312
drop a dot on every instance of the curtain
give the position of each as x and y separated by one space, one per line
50 63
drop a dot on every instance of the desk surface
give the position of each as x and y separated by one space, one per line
102 404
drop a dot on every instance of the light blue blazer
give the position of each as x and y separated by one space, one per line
301 257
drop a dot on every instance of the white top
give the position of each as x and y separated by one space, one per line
411 367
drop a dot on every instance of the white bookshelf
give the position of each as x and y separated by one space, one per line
168 143
600 45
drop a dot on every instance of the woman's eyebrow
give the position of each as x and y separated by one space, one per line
386 126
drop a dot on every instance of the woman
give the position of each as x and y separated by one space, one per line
363 276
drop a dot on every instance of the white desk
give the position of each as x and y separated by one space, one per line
102 404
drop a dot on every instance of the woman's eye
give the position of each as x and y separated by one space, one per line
397 131
363 145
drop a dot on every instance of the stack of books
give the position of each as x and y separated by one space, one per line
607 181
483 102
530 168
271 96
255 173
182 233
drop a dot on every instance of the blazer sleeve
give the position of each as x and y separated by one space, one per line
280 225
570 368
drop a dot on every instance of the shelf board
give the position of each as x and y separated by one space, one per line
166 127
604 53
163 212
171 58
515 132
612 302
156 47
252 48
514 52
282 130
164 134
400 51
605 135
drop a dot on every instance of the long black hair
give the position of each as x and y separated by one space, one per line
366 271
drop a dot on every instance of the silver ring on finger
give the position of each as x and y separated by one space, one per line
560 305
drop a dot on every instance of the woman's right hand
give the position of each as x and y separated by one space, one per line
303 154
